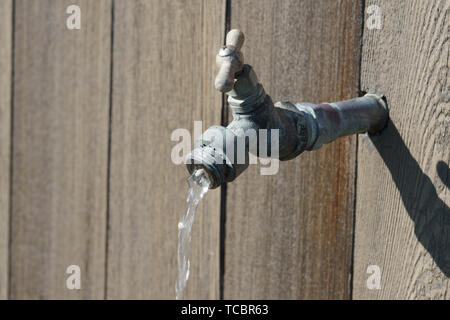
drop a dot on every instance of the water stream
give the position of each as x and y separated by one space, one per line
198 186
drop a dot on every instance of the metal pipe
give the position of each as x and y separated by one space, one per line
337 119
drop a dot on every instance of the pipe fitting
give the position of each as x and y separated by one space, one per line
216 152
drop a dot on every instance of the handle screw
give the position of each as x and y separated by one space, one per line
230 61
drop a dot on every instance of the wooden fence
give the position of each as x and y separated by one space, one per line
86 177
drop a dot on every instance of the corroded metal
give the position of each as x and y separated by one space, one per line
299 127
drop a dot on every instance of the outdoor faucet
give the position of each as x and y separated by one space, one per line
260 128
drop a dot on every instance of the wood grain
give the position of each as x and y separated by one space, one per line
403 198
288 236
164 69
5 138
60 148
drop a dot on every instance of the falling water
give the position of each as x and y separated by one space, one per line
198 186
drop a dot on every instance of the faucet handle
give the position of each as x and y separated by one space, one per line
230 60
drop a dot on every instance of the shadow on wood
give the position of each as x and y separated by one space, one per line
430 214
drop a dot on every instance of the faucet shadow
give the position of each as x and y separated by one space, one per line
430 214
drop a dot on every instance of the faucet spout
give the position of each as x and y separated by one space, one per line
263 129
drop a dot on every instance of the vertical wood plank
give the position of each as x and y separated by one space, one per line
164 69
288 236
61 116
403 216
5 138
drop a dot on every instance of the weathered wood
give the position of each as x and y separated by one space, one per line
164 53
5 137
288 236
60 147
402 215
